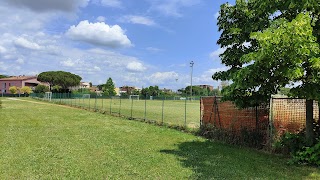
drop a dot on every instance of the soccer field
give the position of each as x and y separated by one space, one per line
173 112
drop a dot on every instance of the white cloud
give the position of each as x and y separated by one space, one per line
162 77
210 72
69 63
136 66
217 52
97 68
49 5
99 34
101 19
20 61
138 20
2 50
112 3
171 7
153 49
216 15
22 42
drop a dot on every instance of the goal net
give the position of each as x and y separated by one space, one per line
86 96
134 97
48 96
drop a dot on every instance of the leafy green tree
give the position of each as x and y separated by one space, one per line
56 88
41 89
25 90
109 88
3 76
270 44
60 78
284 91
13 89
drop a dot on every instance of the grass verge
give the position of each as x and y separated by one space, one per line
46 141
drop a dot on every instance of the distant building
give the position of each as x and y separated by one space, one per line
127 89
82 85
18 81
166 90
205 86
117 90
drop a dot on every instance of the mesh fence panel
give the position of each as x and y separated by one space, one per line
289 115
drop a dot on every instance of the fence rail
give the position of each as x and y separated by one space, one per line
267 122
168 110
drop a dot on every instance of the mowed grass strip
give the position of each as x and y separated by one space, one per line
174 112
46 141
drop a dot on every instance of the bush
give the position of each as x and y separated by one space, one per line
245 137
290 143
41 89
308 155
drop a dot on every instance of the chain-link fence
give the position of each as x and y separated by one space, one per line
289 115
223 120
256 126
178 111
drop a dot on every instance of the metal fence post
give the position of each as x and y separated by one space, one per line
162 109
95 103
200 112
120 107
131 106
89 102
145 108
102 103
271 121
110 104
185 112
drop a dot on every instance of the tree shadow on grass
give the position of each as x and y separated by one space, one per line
211 160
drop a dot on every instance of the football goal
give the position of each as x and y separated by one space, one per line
86 96
134 97
48 96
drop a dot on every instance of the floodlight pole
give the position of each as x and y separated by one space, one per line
191 65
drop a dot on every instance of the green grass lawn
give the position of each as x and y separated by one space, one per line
47 141
175 112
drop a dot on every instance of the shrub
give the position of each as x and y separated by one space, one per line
245 137
41 89
290 143
13 90
308 155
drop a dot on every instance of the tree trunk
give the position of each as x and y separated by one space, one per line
309 123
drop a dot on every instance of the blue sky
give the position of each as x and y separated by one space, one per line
137 43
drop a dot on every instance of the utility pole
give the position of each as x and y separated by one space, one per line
191 65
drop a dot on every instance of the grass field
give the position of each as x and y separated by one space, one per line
47 141
175 112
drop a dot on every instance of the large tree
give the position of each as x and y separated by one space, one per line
3 76
270 44
109 88
59 78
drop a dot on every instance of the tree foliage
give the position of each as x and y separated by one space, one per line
25 90
13 89
41 89
248 28
3 76
59 78
270 44
150 91
109 88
